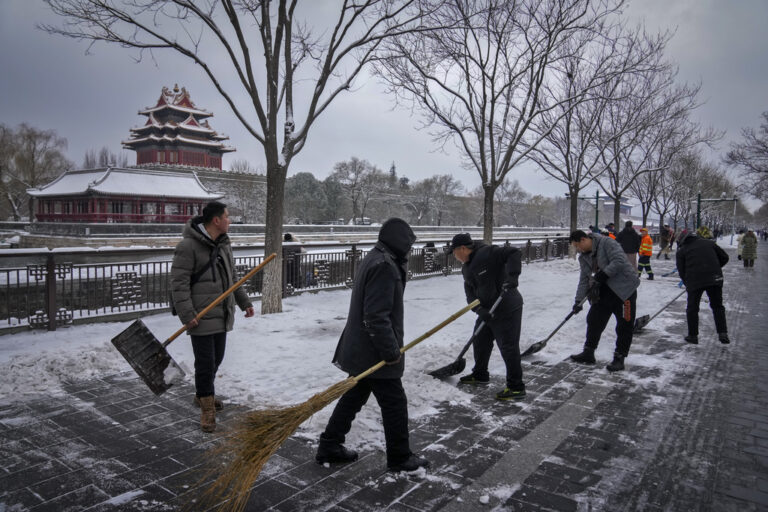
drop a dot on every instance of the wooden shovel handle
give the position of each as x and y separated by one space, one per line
223 296
421 338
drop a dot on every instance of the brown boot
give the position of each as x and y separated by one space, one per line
216 402
207 414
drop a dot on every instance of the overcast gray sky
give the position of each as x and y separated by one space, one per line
92 100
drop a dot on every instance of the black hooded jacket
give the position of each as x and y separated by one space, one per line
374 329
629 240
486 271
700 262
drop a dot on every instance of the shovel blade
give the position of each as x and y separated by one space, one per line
536 347
148 357
454 368
641 322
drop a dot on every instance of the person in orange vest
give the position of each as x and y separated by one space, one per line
646 251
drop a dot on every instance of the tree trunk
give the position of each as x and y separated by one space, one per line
272 289
488 214
574 211
616 213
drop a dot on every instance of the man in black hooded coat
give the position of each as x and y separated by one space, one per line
374 332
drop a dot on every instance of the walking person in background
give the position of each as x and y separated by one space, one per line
665 242
700 264
292 256
630 242
749 248
646 251
374 332
610 282
739 245
489 272
203 268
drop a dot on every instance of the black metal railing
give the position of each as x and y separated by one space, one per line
94 291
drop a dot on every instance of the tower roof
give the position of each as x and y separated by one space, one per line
177 100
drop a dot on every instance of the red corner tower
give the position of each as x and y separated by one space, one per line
177 133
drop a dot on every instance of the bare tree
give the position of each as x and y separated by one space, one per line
29 158
483 79
244 166
751 155
104 158
639 127
446 187
511 198
254 53
571 151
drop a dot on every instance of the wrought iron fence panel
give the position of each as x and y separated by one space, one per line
76 291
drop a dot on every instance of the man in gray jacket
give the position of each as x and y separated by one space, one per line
203 268
610 283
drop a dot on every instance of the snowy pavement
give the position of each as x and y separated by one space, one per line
683 428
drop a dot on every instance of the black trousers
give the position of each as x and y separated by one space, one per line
209 353
601 311
506 332
715 294
391 397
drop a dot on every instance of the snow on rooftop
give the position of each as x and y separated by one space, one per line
135 182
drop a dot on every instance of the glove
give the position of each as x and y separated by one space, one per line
576 308
484 314
601 277
507 285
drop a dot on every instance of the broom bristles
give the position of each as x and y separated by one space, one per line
254 439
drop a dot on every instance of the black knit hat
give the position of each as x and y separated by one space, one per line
462 239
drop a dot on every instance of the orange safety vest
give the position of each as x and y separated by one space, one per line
646 246
612 235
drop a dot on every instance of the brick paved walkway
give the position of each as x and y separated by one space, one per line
696 439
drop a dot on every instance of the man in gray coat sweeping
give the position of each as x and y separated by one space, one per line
203 268
610 283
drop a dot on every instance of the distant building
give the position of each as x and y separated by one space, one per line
177 133
178 170
121 195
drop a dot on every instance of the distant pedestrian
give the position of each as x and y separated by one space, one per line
646 251
203 268
610 283
489 272
292 251
374 332
629 240
699 263
665 242
739 245
749 248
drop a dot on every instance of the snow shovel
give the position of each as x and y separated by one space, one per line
460 363
149 358
643 320
674 270
536 347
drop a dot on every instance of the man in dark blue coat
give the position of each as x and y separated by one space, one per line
699 263
490 271
374 332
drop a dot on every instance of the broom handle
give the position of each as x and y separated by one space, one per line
421 338
667 305
223 296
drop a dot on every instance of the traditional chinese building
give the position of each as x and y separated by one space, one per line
121 195
172 147
177 133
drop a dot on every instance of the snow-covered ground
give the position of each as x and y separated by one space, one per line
285 358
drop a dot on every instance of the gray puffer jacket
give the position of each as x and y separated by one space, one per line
192 254
622 277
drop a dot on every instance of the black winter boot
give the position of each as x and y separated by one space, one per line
617 364
587 356
413 463
723 338
334 453
650 277
692 339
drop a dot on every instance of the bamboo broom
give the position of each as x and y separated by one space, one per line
260 433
